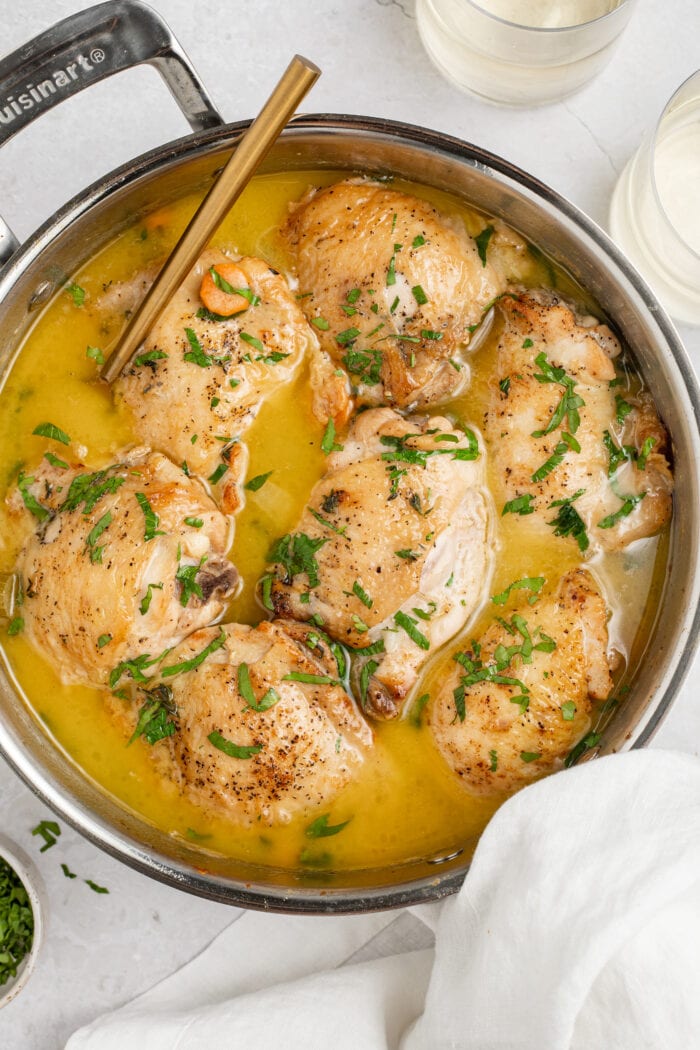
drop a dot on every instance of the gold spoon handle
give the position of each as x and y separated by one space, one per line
296 81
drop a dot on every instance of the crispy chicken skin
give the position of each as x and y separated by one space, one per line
552 363
395 287
98 592
306 740
194 395
509 734
393 550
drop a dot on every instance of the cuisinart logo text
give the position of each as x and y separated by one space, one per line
34 94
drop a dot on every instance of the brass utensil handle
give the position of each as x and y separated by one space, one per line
84 49
253 147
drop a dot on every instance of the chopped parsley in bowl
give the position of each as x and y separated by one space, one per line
20 920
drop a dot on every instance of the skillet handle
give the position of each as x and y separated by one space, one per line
83 49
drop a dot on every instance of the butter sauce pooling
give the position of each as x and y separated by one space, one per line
404 803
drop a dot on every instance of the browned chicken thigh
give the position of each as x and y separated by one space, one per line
393 289
198 381
261 728
520 697
122 561
392 554
572 455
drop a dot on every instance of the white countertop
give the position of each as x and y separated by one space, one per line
101 950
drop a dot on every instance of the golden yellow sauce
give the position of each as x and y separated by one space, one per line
405 803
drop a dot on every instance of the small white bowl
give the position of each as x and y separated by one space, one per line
31 880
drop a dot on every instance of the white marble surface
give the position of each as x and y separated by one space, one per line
101 950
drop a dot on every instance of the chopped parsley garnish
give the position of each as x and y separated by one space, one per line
224 286
628 505
67 872
359 592
315 860
76 293
504 385
151 356
55 461
366 673
50 430
471 452
49 831
349 335
157 716
186 576
493 759
15 626
570 402
418 241
31 503
409 555
195 523
309 679
258 481
408 624
340 530
529 583
617 454
89 489
145 603
400 450
207 315
190 665
530 756
245 688
273 358
527 344
266 592
328 442
568 710
482 242
216 476
152 519
519 505
296 552
645 452
233 750
103 640
95 354
391 271
95 887
417 706
477 671
321 829
419 295
560 450
568 521
195 354
366 366
429 333
622 408
93 536
321 323
135 668
590 741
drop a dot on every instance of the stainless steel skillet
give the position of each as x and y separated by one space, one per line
125 34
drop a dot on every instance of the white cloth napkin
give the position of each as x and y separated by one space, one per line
577 928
